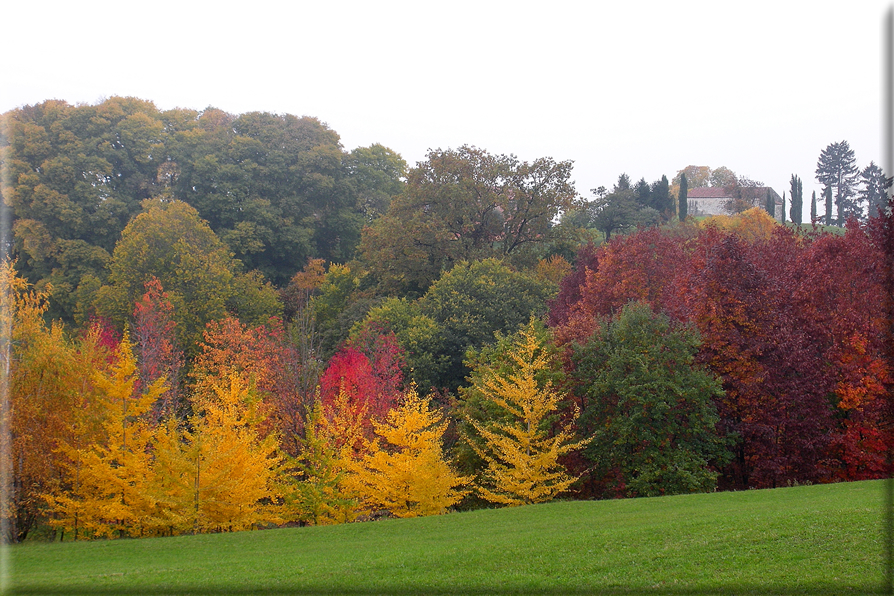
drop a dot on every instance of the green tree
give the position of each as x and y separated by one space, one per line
836 169
874 192
813 207
797 200
170 242
683 200
466 204
376 175
615 211
828 194
475 300
647 406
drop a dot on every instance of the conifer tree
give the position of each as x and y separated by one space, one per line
813 207
111 493
522 453
797 200
683 200
409 476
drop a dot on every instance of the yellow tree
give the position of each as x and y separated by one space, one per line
324 493
409 476
49 383
233 473
520 451
110 478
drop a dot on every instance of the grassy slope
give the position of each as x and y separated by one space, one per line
803 540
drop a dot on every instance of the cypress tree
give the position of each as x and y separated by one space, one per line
797 200
770 204
783 207
683 200
813 207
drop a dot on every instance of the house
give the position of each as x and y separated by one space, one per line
719 200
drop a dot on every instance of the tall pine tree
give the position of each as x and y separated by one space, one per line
837 169
684 198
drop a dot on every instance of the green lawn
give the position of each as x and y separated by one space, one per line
804 540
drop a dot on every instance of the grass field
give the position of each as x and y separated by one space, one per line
805 540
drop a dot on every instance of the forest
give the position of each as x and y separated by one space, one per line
217 323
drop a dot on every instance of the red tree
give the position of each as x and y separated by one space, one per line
156 344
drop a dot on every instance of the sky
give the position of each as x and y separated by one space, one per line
642 88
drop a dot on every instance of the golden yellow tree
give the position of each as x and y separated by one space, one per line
521 453
110 478
409 476
233 473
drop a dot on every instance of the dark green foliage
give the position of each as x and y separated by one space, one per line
797 200
472 302
276 189
836 169
463 205
683 200
813 207
874 192
648 406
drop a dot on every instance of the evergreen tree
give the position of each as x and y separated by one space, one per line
783 206
683 200
661 199
837 169
770 204
813 207
873 194
797 199
521 447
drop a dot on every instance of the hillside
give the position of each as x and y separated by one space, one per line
823 539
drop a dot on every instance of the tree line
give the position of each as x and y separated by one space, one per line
223 322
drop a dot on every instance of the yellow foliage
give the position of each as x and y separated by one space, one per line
234 473
522 456
110 478
409 476
751 225
325 493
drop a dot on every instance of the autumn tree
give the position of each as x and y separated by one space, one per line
648 406
368 372
407 475
232 469
155 341
523 454
109 494
49 376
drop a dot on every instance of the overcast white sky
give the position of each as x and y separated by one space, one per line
645 88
